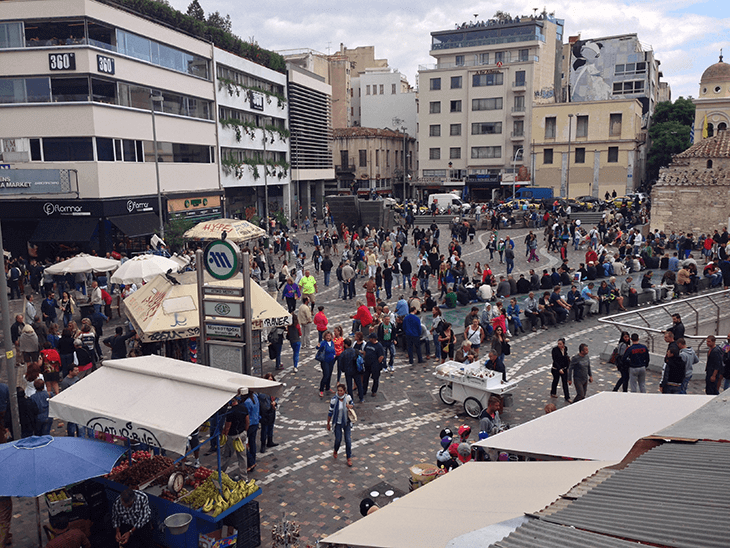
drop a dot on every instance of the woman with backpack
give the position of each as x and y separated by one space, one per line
617 357
276 341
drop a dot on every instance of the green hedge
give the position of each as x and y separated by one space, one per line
167 15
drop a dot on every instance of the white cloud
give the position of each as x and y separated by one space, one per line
684 37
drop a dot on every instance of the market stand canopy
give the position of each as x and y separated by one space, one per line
236 230
83 263
162 311
603 427
143 268
151 399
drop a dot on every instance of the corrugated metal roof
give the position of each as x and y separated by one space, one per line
709 422
674 495
540 534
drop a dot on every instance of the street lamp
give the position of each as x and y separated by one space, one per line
157 98
450 166
514 175
567 174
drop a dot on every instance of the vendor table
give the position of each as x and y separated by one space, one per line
472 384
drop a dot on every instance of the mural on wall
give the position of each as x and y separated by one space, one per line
615 68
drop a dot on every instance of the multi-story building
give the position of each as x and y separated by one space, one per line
382 98
475 103
372 160
587 148
253 120
77 84
310 123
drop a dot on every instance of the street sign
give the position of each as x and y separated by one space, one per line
223 291
222 259
224 331
223 309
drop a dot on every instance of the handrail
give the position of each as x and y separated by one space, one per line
708 298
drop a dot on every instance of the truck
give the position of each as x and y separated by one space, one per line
534 193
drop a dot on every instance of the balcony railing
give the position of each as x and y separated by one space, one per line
518 109
488 41
345 169
518 135
476 63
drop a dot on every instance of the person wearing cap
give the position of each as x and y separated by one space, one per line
338 415
374 358
443 457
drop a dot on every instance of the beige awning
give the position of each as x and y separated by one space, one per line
236 230
603 427
161 311
471 497
152 399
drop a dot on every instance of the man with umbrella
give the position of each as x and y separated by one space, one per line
131 519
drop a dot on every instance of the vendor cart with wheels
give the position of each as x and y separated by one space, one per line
472 384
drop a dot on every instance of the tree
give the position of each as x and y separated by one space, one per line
216 20
500 15
195 10
682 111
174 230
667 139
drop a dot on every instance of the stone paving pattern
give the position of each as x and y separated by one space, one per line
396 429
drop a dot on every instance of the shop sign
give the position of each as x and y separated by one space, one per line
62 61
256 100
222 260
72 210
223 309
30 181
138 207
105 64
223 291
191 208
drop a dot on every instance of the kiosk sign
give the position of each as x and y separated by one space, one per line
222 259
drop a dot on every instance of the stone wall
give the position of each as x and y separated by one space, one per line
690 197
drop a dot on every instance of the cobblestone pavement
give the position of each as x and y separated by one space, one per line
397 428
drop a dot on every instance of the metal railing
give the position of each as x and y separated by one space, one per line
710 308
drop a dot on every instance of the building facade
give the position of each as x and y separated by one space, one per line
253 136
587 148
712 106
310 124
77 85
475 103
371 160
382 98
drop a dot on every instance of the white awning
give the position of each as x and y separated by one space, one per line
471 497
155 400
603 427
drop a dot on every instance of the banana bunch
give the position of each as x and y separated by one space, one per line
58 496
238 446
210 500
200 496
223 439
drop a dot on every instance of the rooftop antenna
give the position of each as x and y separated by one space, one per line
535 11
475 16
721 55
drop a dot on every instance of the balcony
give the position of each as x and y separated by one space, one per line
517 135
476 63
518 111
345 170
519 86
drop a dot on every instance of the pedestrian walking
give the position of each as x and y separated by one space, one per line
622 365
636 358
559 370
294 336
579 372
326 357
339 415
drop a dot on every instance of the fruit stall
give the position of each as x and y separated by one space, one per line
158 402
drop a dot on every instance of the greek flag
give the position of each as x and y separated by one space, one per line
692 134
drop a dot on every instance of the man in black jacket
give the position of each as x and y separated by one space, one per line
714 367
326 266
118 343
636 358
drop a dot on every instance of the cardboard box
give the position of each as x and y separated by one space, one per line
57 507
226 536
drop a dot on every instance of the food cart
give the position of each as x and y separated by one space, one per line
472 384
158 402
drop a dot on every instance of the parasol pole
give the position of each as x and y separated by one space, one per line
9 347
247 316
200 274
38 521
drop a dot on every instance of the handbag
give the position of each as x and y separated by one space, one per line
272 352
351 415
506 348
320 354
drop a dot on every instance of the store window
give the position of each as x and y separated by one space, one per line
580 155
68 149
612 155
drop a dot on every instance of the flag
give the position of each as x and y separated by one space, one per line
704 128
692 133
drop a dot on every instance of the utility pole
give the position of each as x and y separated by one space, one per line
567 175
8 344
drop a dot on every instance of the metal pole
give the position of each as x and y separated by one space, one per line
247 315
266 188
405 166
200 275
9 347
514 175
153 98
567 175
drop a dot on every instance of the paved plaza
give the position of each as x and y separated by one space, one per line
397 428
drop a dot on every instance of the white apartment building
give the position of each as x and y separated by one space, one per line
382 98
253 136
475 103
77 80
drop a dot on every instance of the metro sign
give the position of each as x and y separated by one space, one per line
222 259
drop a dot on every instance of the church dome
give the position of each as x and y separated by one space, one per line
719 72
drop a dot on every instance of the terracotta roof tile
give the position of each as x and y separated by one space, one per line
717 146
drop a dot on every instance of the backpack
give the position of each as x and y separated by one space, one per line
15 274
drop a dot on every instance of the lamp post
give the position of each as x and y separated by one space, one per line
266 187
157 98
448 179
570 138
514 175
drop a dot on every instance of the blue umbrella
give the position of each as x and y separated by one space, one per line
39 464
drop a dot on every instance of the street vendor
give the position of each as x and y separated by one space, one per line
131 519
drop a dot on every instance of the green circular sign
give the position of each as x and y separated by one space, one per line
222 259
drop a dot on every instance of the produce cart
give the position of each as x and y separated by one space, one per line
472 384
158 402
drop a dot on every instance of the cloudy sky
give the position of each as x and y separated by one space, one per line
685 35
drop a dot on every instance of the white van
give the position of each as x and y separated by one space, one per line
443 201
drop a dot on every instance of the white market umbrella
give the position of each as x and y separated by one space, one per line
236 230
142 268
82 264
